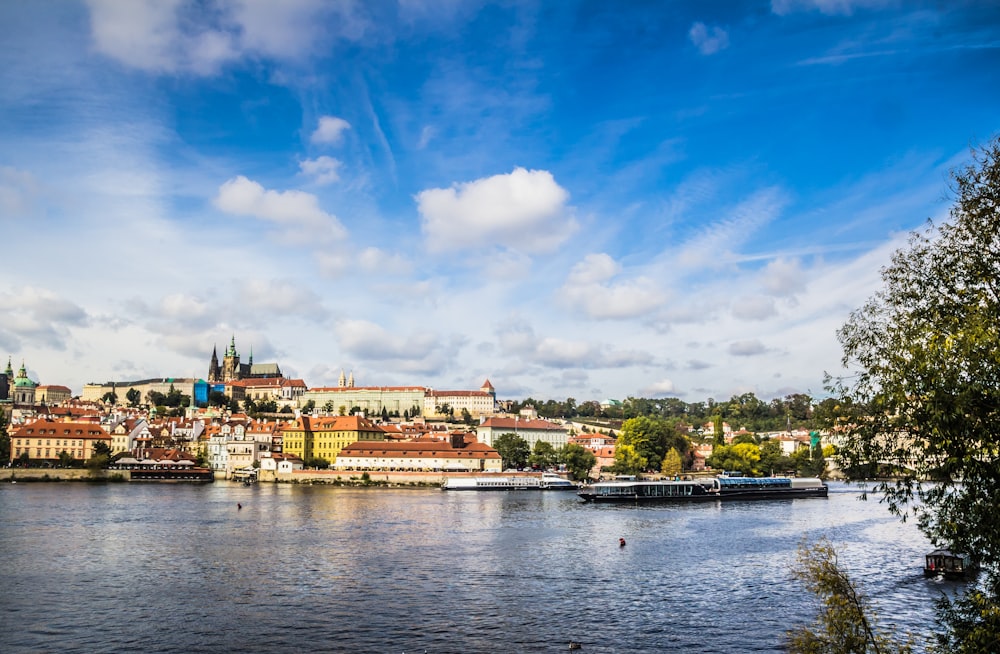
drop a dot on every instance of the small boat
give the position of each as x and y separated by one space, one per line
948 564
552 481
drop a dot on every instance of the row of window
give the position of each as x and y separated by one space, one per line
48 441
48 453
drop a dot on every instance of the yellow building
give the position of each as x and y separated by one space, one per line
44 440
325 436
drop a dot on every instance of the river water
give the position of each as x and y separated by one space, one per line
180 568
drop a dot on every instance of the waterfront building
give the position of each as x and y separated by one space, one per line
531 430
280 463
325 436
44 440
456 454
126 435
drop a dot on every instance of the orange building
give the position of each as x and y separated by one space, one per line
44 440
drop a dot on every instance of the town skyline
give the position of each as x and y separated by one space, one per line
567 199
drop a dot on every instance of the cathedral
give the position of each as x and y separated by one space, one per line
232 370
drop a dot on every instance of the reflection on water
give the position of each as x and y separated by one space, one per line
182 569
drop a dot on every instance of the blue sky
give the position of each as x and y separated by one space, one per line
572 199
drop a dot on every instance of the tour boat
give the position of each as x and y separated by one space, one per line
704 489
548 481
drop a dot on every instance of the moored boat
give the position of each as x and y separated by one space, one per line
499 483
948 564
552 481
704 489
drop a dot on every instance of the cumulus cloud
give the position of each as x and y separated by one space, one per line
754 307
708 40
173 36
422 351
330 130
586 290
524 210
828 7
282 295
38 316
747 348
297 212
519 340
323 170
783 277
660 388
376 261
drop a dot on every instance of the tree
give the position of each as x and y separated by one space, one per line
218 398
467 417
924 397
543 455
628 461
110 398
743 457
671 464
132 396
846 624
309 406
578 460
65 459
719 430
100 456
513 450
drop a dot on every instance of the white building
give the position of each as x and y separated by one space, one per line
531 430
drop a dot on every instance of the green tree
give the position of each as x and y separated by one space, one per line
718 430
132 396
467 417
65 459
671 464
513 450
329 407
543 455
218 398
578 460
924 394
772 458
110 398
309 406
846 624
628 461
743 457
100 457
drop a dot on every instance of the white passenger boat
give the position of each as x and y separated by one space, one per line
548 481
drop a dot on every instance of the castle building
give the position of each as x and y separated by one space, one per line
231 369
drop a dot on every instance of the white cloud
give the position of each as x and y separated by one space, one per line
585 291
174 36
323 170
39 317
708 40
828 7
754 307
714 244
747 348
330 130
377 261
660 388
422 351
783 277
283 295
297 212
523 210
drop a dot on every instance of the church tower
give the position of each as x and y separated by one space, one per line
231 362
214 371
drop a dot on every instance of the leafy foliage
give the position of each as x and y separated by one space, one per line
578 460
926 397
846 624
513 450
